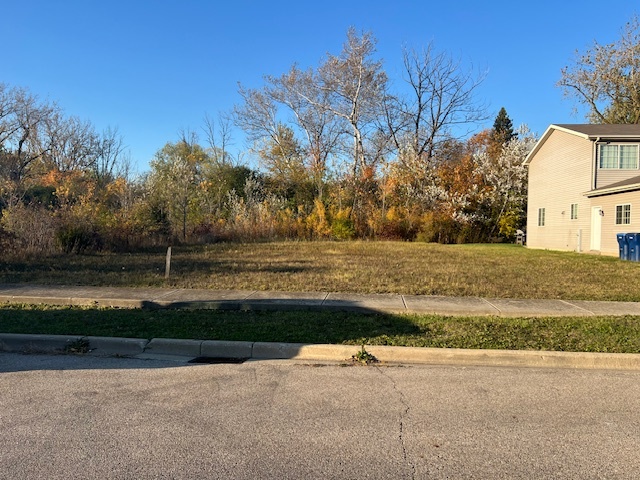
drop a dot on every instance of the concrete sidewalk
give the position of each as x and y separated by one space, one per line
259 300
187 350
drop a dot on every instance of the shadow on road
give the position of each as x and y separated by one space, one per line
11 362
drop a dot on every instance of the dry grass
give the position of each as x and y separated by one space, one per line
506 271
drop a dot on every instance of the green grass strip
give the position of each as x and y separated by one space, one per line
584 334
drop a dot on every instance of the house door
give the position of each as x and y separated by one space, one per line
596 228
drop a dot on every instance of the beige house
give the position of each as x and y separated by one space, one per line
584 187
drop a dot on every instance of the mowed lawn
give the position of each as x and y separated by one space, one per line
506 271
580 334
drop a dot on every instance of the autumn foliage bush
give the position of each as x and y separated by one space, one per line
28 230
476 197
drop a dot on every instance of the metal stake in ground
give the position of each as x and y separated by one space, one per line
167 266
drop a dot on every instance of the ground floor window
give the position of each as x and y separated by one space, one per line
574 211
623 214
541 215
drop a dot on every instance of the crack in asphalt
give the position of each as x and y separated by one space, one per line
403 415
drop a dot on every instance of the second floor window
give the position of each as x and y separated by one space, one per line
622 157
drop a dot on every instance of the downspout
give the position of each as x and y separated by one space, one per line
594 164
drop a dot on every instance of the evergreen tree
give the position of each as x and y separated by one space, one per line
503 128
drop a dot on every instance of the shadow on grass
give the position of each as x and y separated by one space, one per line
265 322
136 269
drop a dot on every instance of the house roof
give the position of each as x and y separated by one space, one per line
619 187
594 132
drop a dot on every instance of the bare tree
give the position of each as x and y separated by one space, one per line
606 78
112 159
72 143
354 85
218 133
441 99
258 117
342 97
8 124
301 93
24 141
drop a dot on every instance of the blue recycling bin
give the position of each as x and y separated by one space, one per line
623 245
633 239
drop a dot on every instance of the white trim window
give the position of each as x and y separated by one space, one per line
618 156
574 211
623 214
541 217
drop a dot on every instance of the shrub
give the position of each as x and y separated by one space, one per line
41 195
77 238
444 229
509 222
397 225
6 240
342 227
317 222
28 230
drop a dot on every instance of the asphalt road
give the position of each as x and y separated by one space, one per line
84 417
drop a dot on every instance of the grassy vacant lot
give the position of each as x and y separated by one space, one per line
507 271
603 334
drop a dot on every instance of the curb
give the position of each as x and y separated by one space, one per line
183 349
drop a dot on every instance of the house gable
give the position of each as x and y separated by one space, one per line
594 133
560 172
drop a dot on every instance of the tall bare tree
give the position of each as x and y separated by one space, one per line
112 158
301 93
8 123
25 122
258 115
354 84
273 142
606 78
72 143
440 105
218 133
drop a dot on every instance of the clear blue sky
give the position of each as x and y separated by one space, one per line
154 68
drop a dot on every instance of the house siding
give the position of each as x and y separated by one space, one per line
605 177
609 227
559 175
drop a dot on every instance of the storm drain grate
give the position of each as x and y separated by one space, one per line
213 360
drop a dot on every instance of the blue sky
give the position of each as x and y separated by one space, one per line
154 68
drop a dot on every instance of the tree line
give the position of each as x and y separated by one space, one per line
344 152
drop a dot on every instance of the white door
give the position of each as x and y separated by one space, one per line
596 228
